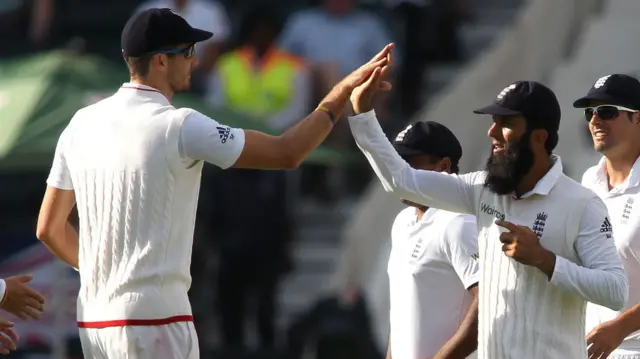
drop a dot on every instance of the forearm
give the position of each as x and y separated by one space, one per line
305 136
465 340
430 188
607 286
629 321
64 244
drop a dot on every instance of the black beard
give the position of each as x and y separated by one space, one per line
505 172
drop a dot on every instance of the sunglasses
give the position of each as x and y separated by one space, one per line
188 52
605 112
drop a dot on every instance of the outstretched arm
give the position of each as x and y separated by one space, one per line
257 150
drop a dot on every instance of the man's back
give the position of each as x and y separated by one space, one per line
136 204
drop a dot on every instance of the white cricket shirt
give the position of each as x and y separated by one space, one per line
625 219
523 314
134 163
432 263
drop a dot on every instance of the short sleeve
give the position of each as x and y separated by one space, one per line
461 241
202 138
59 176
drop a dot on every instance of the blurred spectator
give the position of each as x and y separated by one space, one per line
334 38
428 32
259 79
25 25
271 86
255 234
207 15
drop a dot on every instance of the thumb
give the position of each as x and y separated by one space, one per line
25 278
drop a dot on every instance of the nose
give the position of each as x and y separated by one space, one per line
595 119
493 131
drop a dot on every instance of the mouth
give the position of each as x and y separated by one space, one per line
497 148
600 134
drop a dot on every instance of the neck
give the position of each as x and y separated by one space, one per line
420 212
538 170
163 87
619 167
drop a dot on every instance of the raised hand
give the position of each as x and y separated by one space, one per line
361 74
362 95
21 300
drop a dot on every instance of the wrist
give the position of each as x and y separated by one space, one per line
625 324
547 262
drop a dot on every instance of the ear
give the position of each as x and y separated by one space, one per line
160 61
539 137
444 165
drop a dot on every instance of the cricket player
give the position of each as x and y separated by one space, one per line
132 165
612 110
545 242
433 268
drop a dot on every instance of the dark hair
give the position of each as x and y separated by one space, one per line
139 66
256 16
455 167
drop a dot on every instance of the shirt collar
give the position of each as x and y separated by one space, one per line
132 89
546 183
601 179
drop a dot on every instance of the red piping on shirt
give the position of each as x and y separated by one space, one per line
135 322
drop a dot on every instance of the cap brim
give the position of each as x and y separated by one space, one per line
405 151
198 35
496 110
584 101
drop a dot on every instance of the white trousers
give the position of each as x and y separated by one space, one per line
171 341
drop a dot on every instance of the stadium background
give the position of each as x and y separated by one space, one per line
59 55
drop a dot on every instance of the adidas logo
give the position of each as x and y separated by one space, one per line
224 133
606 227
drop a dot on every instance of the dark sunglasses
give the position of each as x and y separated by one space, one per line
188 52
605 112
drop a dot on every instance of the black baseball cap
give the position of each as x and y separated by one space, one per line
534 101
428 138
615 89
156 29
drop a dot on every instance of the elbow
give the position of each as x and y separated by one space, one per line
43 233
620 294
622 297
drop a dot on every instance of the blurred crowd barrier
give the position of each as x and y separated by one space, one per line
536 44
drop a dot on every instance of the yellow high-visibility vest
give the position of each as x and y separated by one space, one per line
258 89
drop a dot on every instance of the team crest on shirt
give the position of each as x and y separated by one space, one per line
626 212
538 224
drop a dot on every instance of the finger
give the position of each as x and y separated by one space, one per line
32 294
35 304
4 324
506 224
19 314
4 351
386 69
31 313
605 353
24 278
384 86
11 334
372 81
382 54
6 342
507 237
